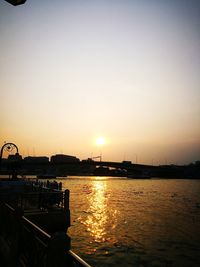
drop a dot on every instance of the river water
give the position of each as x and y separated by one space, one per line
135 222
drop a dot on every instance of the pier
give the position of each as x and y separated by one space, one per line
35 217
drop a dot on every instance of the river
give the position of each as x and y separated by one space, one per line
135 222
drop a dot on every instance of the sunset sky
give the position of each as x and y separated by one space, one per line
127 71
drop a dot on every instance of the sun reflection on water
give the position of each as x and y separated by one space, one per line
98 217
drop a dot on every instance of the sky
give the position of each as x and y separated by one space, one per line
128 71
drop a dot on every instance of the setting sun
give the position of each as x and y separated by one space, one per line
100 141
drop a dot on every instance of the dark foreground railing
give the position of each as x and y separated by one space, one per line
23 243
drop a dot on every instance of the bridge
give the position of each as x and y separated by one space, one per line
91 167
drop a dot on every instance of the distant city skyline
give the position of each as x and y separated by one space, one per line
126 73
99 157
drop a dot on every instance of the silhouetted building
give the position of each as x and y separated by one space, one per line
16 157
61 158
30 159
127 162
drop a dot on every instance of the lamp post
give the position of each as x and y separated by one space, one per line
16 2
9 147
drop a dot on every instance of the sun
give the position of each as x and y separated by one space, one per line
100 141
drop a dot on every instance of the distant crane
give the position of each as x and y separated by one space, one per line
97 157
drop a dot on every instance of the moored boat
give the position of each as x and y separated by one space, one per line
46 176
139 175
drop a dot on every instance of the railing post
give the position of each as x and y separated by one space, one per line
59 243
66 200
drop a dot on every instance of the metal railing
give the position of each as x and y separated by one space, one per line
77 260
30 246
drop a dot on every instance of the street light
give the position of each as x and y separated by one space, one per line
16 2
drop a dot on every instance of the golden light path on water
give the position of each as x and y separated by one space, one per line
97 219
95 222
